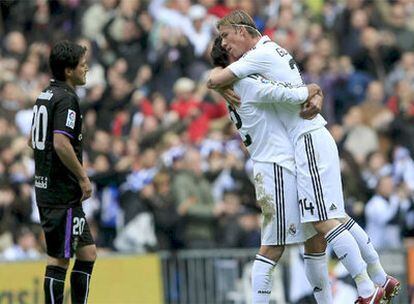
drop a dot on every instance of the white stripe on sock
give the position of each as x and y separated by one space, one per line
55 279
87 283
87 289
82 272
51 291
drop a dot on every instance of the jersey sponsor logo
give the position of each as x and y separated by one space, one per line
47 95
41 182
70 119
332 207
264 291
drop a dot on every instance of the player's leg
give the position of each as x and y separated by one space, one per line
316 269
80 276
272 241
321 202
347 251
263 266
56 224
369 254
54 280
276 193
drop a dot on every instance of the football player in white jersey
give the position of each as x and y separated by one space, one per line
319 182
272 153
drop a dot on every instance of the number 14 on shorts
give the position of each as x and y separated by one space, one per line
306 206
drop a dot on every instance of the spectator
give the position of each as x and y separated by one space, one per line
396 18
383 215
167 220
403 70
192 192
25 246
374 112
377 167
377 55
360 139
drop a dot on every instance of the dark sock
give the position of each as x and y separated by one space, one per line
54 284
79 281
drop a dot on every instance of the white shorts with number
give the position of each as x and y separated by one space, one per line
318 177
276 194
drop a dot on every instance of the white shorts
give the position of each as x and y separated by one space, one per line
318 177
276 194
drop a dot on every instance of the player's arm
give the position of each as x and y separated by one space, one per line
286 93
256 62
312 106
66 153
65 118
29 139
220 78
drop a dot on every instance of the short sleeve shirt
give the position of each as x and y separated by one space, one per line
56 111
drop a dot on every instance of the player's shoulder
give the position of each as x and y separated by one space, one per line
258 52
266 54
63 97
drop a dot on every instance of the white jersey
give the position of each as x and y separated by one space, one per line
272 61
258 122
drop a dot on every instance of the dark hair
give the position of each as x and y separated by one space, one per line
219 56
64 54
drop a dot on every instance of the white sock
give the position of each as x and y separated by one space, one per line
316 269
347 251
262 279
368 252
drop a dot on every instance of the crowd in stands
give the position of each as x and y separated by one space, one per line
168 167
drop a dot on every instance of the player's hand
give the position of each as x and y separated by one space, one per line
313 89
312 107
231 97
86 188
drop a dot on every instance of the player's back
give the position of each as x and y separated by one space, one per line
56 111
285 69
269 59
272 61
259 126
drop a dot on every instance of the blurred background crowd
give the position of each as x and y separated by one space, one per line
168 168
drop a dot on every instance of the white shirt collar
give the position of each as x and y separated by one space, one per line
262 40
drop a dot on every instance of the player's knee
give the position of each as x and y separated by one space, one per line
315 244
271 252
92 253
63 263
87 253
325 226
345 219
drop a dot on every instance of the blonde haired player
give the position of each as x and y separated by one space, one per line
317 161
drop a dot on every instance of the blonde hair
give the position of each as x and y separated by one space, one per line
240 18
